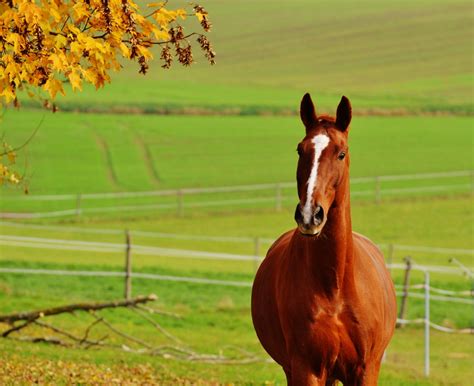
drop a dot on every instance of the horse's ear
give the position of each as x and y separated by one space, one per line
307 111
344 114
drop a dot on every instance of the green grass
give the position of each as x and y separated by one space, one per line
66 156
386 56
391 222
224 311
212 318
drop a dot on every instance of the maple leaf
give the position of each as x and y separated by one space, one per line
75 80
53 86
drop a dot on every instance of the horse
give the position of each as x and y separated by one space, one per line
323 302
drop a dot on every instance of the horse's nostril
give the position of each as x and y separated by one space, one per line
318 215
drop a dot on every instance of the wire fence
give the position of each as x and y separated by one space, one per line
256 241
466 299
429 294
180 199
426 296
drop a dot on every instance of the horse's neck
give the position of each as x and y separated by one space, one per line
329 257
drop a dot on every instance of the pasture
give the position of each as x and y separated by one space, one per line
392 59
213 151
89 153
389 57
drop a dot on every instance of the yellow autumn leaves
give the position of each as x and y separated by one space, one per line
45 43
7 160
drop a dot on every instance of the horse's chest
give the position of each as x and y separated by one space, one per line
322 331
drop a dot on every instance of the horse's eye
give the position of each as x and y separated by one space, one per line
341 155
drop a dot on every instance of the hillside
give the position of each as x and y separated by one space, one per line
392 57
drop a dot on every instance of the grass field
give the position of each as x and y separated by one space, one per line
105 153
212 319
393 58
74 153
386 56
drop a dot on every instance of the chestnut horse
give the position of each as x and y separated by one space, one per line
323 303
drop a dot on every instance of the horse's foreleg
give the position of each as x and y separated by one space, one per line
367 377
301 374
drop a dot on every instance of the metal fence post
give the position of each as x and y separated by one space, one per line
128 265
427 323
278 197
406 283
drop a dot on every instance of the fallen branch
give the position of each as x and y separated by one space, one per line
122 334
81 341
157 326
15 328
43 339
158 312
31 316
178 350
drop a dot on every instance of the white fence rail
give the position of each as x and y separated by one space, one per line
278 198
256 240
108 247
232 189
204 280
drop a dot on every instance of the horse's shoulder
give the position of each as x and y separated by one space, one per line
365 242
366 248
281 243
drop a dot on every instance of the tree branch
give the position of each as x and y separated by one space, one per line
81 341
123 334
27 141
31 316
157 326
151 42
15 328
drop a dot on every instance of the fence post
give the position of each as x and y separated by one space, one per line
256 252
278 197
406 280
427 323
128 265
179 202
377 190
78 204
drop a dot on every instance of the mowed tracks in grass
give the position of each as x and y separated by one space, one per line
220 151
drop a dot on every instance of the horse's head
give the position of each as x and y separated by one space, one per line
323 164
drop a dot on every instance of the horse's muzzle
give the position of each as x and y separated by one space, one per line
313 226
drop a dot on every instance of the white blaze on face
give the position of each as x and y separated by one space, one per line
320 142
